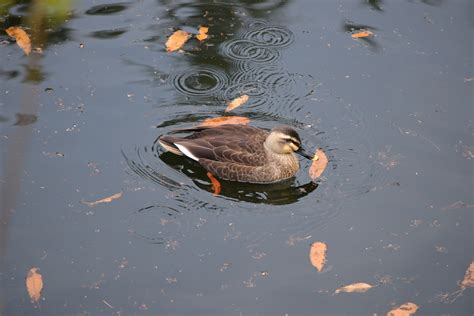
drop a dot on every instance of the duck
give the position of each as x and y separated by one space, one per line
241 153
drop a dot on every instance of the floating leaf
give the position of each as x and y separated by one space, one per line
202 33
406 309
34 284
468 277
361 34
317 255
236 102
354 288
22 39
104 200
320 162
221 120
216 185
176 40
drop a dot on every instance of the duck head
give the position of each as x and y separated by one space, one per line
285 140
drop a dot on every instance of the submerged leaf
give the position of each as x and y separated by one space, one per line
320 162
176 40
104 200
354 288
202 33
221 120
317 255
236 102
22 39
34 284
406 309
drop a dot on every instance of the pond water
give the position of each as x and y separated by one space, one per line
79 119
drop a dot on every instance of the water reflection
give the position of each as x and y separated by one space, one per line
107 9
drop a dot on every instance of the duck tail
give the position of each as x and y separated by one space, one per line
167 142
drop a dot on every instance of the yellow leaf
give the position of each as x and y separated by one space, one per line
406 309
221 120
104 200
216 185
34 284
468 277
361 34
354 288
176 40
319 164
202 33
22 39
317 255
236 102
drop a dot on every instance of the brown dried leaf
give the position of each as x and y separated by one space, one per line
406 309
320 162
221 120
202 33
468 277
176 40
34 284
361 34
216 185
236 102
22 39
104 200
354 288
317 255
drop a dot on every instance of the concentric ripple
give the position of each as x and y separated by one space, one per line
244 49
201 81
274 36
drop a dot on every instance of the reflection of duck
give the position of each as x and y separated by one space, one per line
240 152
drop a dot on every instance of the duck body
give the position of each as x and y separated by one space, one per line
239 152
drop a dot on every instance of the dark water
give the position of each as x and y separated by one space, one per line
78 122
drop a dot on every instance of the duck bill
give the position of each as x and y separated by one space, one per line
304 153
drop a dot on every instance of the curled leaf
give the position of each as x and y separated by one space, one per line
354 288
406 309
22 39
468 280
104 200
236 102
317 255
221 120
34 284
319 164
361 34
176 40
216 185
202 33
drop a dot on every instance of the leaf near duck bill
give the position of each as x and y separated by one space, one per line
237 102
221 120
22 39
176 40
317 255
202 33
34 284
468 280
406 309
319 164
354 288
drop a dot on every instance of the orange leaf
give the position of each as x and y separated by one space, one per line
34 284
361 34
354 288
202 33
406 309
104 200
216 185
317 255
236 102
221 120
320 162
468 277
176 40
22 39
